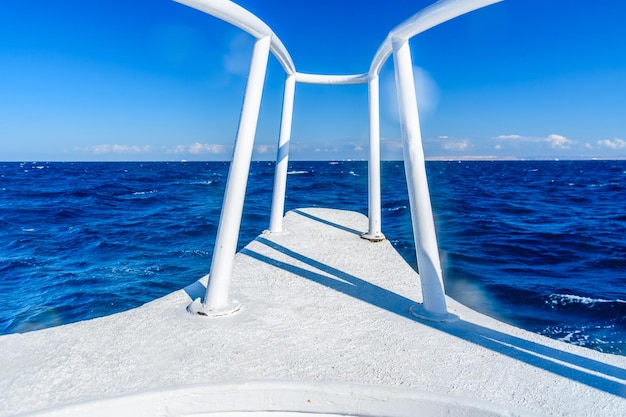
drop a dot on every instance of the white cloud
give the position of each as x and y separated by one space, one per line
106 148
200 148
208 148
130 149
498 146
356 150
177 149
617 143
559 142
391 149
99 149
388 143
509 137
461 145
448 143
264 149
554 140
196 148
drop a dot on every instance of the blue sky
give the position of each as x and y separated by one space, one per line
156 80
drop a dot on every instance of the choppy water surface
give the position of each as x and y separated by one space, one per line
538 244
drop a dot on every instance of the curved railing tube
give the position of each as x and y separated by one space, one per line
236 15
331 79
429 17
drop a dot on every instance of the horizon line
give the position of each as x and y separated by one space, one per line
427 159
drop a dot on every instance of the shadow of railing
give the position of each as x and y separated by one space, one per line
195 290
328 223
596 374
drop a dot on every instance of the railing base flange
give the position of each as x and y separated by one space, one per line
196 308
418 311
373 237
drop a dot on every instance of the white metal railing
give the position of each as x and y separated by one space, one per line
236 15
216 301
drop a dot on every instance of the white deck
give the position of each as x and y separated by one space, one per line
322 310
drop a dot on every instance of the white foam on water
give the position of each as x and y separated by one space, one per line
564 299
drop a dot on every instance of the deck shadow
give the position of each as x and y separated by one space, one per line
195 290
327 222
578 368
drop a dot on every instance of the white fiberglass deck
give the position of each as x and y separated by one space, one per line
324 328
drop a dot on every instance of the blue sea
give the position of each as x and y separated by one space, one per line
539 244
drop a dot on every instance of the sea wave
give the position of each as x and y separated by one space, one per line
145 192
396 208
569 299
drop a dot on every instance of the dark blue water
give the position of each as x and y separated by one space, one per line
541 245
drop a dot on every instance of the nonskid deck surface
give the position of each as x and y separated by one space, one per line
320 306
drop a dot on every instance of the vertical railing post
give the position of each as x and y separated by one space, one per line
419 197
216 300
282 157
373 170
